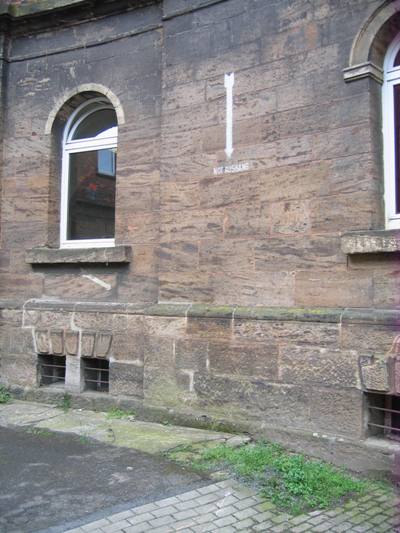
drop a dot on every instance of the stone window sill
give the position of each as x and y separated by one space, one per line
50 256
371 242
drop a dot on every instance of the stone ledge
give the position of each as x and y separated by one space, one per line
385 317
364 70
51 256
371 242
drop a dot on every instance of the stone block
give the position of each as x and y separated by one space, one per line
374 374
289 333
126 379
128 346
368 242
177 256
57 341
337 411
103 344
209 328
88 339
367 339
333 289
20 370
74 380
18 340
159 353
290 217
160 326
191 354
92 320
185 287
80 285
249 360
71 342
42 339
298 253
319 366
250 288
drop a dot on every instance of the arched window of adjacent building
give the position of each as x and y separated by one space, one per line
89 176
391 134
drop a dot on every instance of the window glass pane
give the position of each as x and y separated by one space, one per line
91 205
397 60
396 96
96 123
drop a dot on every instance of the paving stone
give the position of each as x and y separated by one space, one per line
244 525
301 527
141 517
344 526
116 526
138 528
225 521
163 511
224 511
299 519
208 489
263 517
280 528
246 513
188 495
167 501
205 518
96 525
317 520
207 498
163 520
248 502
184 515
320 528
120 516
147 508
189 504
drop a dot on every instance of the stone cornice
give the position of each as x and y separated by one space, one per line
386 317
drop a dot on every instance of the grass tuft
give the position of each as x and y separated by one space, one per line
292 482
5 395
115 412
65 403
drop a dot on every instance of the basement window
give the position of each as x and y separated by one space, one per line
384 415
96 374
51 370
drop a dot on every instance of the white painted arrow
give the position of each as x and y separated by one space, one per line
229 82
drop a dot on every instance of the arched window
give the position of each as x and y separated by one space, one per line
391 134
88 176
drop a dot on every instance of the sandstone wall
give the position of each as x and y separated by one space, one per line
268 237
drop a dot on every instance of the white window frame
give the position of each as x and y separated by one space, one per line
391 79
106 140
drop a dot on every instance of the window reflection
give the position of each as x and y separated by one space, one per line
91 205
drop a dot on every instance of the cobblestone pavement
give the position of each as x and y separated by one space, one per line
228 507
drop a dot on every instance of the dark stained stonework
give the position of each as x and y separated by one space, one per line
264 295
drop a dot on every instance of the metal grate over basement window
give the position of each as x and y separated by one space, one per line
384 415
96 374
51 369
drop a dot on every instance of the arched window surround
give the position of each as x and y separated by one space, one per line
106 140
390 122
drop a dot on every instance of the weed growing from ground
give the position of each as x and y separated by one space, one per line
115 412
292 482
5 395
65 403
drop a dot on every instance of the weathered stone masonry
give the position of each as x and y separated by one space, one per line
265 298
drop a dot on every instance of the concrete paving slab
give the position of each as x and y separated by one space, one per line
146 436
